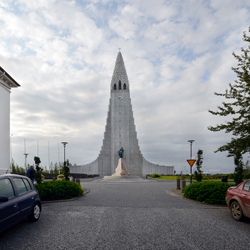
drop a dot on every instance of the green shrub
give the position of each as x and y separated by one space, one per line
155 175
246 176
207 191
58 190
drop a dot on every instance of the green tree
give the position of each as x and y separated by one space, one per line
46 170
56 171
22 170
66 170
13 170
198 172
237 106
38 170
18 171
238 177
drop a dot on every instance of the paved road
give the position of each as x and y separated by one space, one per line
129 213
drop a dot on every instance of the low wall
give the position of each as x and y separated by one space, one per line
150 168
74 175
90 169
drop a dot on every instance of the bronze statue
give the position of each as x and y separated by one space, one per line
121 152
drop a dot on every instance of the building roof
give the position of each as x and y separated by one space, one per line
11 81
119 71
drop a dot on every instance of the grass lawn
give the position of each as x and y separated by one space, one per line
174 177
170 177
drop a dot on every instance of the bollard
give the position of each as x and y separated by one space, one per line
183 184
178 183
224 178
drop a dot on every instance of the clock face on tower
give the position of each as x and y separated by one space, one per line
119 98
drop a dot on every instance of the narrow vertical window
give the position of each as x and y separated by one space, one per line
115 86
120 85
124 86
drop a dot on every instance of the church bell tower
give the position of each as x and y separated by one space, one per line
120 133
120 128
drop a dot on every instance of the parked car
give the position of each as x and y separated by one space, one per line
238 200
18 199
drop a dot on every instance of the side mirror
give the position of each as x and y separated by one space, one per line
3 198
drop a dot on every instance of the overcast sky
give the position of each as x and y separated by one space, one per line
177 54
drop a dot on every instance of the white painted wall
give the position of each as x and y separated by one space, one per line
4 127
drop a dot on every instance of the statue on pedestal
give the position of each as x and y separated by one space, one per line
121 168
121 152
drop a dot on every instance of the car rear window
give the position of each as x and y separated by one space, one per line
6 188
21 188
247 186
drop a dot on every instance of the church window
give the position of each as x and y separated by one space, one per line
120 85
124 86
115 86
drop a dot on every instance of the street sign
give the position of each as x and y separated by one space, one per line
191 162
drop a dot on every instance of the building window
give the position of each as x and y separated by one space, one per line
115 86
120 85
124 86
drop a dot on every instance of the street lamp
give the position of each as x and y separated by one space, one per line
191 143
25 155
64 144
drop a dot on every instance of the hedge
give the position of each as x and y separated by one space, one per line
58 190
211 192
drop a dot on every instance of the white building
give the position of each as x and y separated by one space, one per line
6 83
120 132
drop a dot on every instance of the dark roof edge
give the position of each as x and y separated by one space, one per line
12 79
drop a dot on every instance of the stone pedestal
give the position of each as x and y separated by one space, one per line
121 168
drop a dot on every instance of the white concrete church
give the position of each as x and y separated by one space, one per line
6 83
120 132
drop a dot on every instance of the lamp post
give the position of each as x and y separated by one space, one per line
64 145
191 143
25 155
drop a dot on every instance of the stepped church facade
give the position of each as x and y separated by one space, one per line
120 133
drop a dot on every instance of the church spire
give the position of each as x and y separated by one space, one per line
119 74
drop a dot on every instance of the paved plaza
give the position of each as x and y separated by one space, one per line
129 213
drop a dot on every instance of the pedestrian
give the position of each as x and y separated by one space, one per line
31 173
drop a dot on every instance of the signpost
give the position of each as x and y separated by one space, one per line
191 161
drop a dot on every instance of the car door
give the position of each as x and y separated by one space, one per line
245 197
25 196
9 210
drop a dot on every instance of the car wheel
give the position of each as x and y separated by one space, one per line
35 215
236 211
